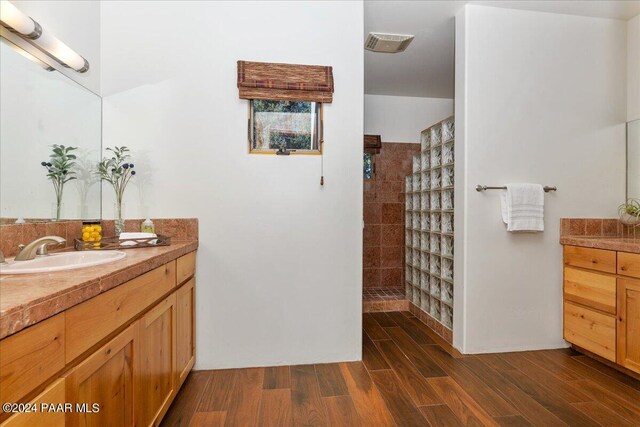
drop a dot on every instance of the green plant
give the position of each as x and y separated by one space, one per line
630 211
60 170
117 171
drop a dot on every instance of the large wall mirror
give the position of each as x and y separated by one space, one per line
40 108
633 159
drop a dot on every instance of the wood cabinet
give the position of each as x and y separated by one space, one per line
629 324
592 259
602 304
158 374
107 378
629 264
594 290
54 395
127 350
591 330
31 357
185 267
93 320
185 323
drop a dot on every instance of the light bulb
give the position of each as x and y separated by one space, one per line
18 21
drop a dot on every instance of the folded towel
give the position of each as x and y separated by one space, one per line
136 235
522 207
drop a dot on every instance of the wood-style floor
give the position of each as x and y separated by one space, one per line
409 377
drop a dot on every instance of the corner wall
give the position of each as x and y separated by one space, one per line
279 275
540 98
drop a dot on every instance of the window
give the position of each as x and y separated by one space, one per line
292 126
368 166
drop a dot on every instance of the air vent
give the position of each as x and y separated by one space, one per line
387 43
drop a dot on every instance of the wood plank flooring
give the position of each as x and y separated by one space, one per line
410 377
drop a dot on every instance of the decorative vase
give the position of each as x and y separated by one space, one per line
630 220
58 205
119 222
56 209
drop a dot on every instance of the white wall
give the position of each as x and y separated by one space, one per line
280 258
633 69
77 24
542 98
402 118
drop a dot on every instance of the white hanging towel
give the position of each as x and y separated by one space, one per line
523 207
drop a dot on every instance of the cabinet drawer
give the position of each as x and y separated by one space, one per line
30 357
591 289
591 330
629 264
53 395
93 320
186 267
593 259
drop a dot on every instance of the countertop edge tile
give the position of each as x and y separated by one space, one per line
27 310
600 242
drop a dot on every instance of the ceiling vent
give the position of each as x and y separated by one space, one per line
387 43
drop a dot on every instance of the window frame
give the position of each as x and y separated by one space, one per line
319 122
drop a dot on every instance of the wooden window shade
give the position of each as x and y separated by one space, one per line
372 144
285 82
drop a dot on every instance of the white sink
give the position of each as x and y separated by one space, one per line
61 261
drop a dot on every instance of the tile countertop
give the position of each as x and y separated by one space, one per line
26 299
602 242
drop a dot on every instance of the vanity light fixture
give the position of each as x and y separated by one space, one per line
27 55
17 22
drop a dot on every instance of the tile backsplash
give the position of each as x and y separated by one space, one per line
597 227
11 235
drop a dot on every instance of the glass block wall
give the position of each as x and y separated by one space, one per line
429 224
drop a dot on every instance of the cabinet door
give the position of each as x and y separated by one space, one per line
51 397
629 324
186 299
158 376
106 378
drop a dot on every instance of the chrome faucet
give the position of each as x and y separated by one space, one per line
38 247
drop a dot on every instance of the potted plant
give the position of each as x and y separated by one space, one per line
60 171
117 171
630 212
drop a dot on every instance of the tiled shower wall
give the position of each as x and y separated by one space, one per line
383 234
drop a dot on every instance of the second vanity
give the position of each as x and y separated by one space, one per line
116 342
602 298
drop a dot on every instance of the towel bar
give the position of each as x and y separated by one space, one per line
485 187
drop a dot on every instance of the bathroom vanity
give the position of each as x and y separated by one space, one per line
121 336
602 298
